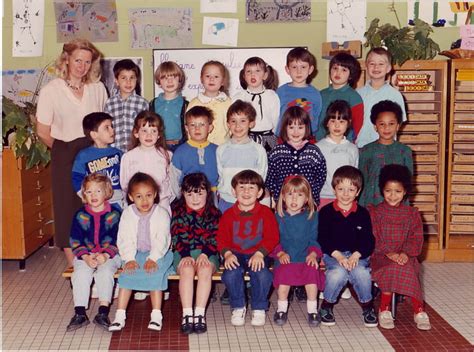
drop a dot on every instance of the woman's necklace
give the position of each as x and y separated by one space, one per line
74 88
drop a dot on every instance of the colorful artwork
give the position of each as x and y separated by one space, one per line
346 20
160 28
220 31
92 20
28 25
439 12
108 78
278 11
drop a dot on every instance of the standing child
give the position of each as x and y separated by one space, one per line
193 230
386 117
170 104
398 231
214 79
143 243
259 82
299 250
247 233
301 66
345 235
344 72
127 103
93 243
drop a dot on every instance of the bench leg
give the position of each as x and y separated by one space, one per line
394 304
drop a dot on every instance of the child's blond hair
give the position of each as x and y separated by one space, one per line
170 68
296 183
97 178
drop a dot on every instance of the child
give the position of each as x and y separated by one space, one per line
398 231
386 117
149 155
345 235
170 104
336 148
93 243
240 152
214 79
193 231
100 157
299 250
296 156
127 103
378 65
143 242
344 72
247 233
301 66
259 82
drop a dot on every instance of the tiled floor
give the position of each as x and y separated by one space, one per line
37 305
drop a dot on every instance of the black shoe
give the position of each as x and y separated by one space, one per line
291 294
327 317
225 298
77 322
370 318
201 326
280 318
187 324
313 319
102 320
300 294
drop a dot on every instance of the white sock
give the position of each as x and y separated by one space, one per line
156 315
282 306
187 311
312 306
199 311
120 315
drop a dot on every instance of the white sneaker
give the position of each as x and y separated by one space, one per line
166 295
238 316
94 293
140 296
258 318
117 325
422 321
386 320
346 294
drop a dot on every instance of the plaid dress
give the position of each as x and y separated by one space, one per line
397 229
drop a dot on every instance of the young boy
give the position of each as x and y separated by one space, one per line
344 72
301 66
247 233
127 103
170 104
386 116
345 235
100 157
378 64
238 153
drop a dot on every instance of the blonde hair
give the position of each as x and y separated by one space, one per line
79 44
170 68
296 183
97 178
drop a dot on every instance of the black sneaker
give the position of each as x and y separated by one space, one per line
225 298
327 317
187 326
102 320
370 318
280 318
300 294
314 320
77 322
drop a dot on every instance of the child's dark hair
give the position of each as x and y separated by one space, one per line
395 173
170 68
338 110
386 106
271 82
242 107
350 173
248 177
303 54
350 62
199 111
128 65
194 183
92 122
380 51
146 179
298 115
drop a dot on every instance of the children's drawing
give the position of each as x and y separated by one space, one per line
220 31
432 11
218 6
108 78
160 28
346 20
278 10
92 20
28 24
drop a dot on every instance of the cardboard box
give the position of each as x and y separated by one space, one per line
464 127
467 158
427 168
418 138
422 117
469 209
425 158
463 168
464 95
462 188
421 106
418 96
424 198
464 116
462 199
426 179
425 207
462 178
433 148
413 127
463 106
420 188
462 219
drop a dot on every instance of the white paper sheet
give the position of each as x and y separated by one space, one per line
28 28
220 31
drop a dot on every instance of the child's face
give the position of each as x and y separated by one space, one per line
299 72
254 75
169 83
337 127
198 128
143 196
212 80
95 195
345 193
196 200
239 126
294 201
387 127
147 135
126 81
339 76
377 67
393 193
247 195
104 135
295 132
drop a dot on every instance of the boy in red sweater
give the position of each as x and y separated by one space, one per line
247 233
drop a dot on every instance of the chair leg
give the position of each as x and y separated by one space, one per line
394 304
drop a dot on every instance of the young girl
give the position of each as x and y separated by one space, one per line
193 229
214 79
143 243
398 232
93 243
148 154
259 82
299 250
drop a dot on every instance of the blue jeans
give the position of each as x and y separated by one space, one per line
260 281
337 277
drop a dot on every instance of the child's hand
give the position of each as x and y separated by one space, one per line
130 266
393 256
202 260
312 260
402 259
256 261
283 257
353 260
101 258
186 261
150 266
341 259
230 261
90 261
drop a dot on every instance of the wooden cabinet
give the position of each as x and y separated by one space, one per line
27 213
460 179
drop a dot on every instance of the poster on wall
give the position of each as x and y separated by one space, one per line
218 6
220 31
108 78
95 21
440 13
28 28
160 28
278 11
346 20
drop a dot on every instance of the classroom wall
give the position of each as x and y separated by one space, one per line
310 34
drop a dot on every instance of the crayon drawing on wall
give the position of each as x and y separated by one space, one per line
28 26
439 12
345 20
220 31
278 11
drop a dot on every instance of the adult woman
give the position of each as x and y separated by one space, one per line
62 105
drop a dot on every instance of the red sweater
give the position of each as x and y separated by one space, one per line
247 232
